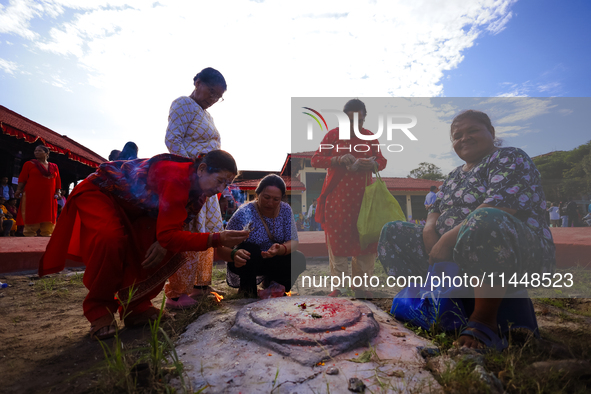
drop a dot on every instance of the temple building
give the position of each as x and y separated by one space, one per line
21 135
409 192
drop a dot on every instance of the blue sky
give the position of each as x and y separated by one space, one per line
104 72
543 51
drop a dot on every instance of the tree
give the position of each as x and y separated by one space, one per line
427 171
566 175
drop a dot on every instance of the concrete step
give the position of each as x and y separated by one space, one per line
573 248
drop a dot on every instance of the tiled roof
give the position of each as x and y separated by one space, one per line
15 124
297 155
290 183
303 155
410 184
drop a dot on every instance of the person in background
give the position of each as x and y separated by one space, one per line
299 218
38 187
314 226
572 210
563 214
431 197
270 251
10 206
6 219
554 212
191 132
114 155
6 190
339 203
224 210
129 152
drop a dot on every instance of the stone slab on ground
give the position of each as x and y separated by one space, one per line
306 329
229 364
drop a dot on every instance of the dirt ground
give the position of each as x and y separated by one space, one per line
45 348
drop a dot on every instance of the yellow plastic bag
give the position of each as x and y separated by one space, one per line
377 208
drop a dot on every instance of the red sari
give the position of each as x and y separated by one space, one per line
342 193
111 219
38 204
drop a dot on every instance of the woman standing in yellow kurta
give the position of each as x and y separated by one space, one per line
191 132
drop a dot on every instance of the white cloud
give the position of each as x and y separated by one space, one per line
8 66
15 18
515 89
509 131
499 25
509 113
141 55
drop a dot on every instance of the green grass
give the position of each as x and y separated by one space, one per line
59 286
218 273
566 304
138 369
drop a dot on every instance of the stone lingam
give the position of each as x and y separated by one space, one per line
229 350
307 329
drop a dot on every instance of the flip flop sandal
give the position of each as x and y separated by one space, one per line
197 293
147 316
183 302
100 323
486 336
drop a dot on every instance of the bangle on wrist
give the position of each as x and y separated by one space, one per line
215 240
285 249
233 254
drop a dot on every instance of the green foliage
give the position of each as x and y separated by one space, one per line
427 171
130 370
566 174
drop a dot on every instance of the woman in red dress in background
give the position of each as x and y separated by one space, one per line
339 203
38 186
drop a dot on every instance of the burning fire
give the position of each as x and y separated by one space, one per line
218 297
288 293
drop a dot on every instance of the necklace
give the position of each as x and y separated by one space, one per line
271 234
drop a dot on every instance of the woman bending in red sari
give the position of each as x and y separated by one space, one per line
124 222
38 185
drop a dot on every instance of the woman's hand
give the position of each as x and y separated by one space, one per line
231 238
18 194
154 255
241 257
346 160
274 250
443 250
430 235
364 164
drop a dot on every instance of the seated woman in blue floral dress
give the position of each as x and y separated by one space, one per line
270 251
489 217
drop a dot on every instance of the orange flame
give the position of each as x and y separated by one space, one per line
288 293
218 297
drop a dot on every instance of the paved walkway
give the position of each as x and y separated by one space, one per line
573 248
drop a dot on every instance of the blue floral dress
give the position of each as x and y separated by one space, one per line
490 240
